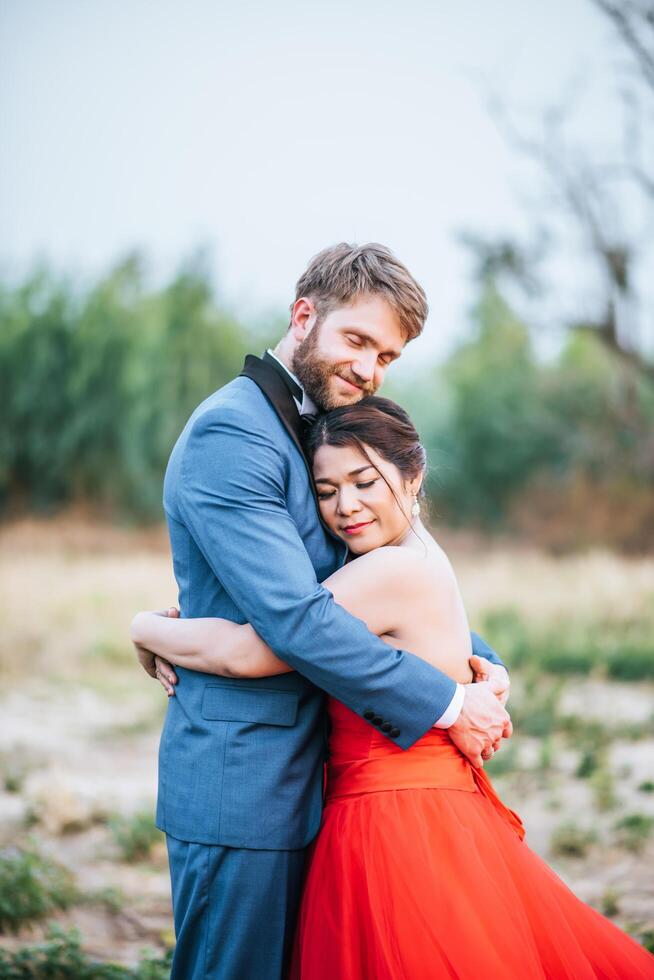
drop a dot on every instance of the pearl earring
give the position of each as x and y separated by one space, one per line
415 510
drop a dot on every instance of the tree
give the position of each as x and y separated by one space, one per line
606 201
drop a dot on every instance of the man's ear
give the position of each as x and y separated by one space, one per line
303 317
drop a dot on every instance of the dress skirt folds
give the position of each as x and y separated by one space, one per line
420 872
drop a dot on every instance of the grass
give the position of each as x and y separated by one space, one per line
61 958
569 840
603 789
633 831
612 648
31 889
15 767
135 835
610 903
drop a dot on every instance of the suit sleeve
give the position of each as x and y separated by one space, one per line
234 503
481 649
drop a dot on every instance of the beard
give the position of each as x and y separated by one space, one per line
315 371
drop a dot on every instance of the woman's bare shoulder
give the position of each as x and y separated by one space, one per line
408 568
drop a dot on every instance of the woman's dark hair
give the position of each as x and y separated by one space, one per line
375 422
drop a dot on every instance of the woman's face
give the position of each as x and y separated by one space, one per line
356 502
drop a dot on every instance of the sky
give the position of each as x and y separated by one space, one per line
264 131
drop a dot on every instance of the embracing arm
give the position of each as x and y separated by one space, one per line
232 498
372 588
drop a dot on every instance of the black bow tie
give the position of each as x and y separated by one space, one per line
307 422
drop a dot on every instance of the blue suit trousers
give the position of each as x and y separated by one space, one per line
234 910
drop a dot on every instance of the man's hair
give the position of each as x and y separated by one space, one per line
343 273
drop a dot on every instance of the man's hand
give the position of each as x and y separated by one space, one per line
484 670
482 723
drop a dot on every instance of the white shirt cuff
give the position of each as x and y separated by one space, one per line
453 710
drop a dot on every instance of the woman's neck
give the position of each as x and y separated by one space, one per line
416 537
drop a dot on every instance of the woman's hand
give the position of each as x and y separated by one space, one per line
484 670
153 665
165 675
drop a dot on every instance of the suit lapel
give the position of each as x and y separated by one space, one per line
271 383
278 394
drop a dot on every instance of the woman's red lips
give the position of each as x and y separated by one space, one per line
355 528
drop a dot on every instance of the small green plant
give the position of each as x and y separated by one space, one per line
617 649
569 840
546 754
609 903
602 786
111 899
31 888
647 786
536 713
15 766
633 831
135 835
61 958
588 763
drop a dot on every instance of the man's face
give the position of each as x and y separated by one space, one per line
344 358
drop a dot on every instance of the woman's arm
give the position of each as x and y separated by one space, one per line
212 646
377 588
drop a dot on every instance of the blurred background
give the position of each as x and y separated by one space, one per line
168 170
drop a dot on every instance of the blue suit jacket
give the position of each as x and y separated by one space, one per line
240 761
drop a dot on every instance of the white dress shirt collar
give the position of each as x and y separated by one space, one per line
306 406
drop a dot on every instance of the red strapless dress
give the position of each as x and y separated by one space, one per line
420 872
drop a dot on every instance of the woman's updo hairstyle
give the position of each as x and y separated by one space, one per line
375 422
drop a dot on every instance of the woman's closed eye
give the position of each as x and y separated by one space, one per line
326 494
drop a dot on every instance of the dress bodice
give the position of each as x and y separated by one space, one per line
363 760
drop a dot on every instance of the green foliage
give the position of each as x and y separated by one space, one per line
633 831
97 384
557 450
569 840
31 888
493 382
610 903
135 835
588 763
15 766
602 785
611 647
62 958
111 899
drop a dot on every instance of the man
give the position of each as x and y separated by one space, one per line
241 761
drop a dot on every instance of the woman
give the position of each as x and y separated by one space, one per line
419 871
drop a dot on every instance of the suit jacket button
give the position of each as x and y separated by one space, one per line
386 727
395 732
368 714
377 720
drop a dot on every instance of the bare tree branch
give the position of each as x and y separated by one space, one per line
632 20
